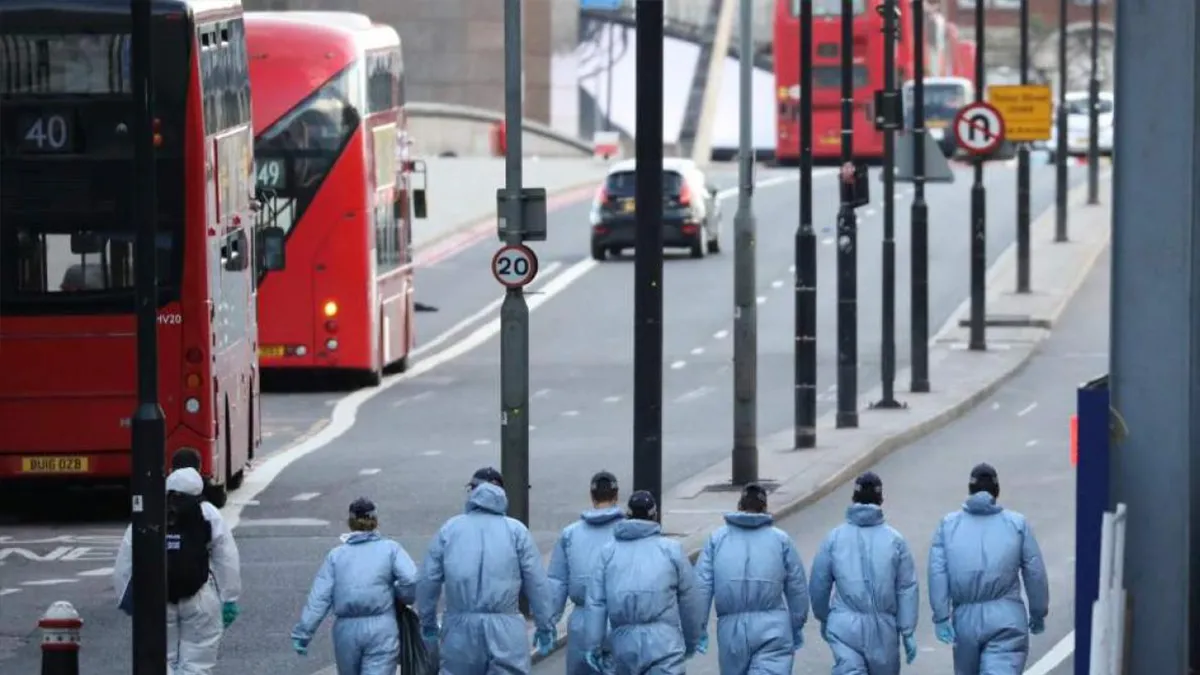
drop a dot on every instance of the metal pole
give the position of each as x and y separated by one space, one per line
745 313
648 259
888 305
1094 111
147 486
806 255
847 257
978 208
612 39
1023 170
1060 131
514 312
919 268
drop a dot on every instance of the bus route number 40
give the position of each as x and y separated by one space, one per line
514 266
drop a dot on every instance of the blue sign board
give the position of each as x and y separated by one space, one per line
600 4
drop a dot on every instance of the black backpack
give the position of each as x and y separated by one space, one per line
188 539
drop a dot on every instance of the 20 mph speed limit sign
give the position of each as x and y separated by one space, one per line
514 266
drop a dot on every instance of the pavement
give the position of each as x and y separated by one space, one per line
412 442
1022 430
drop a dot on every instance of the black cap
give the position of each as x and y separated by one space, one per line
603 480
486 475
642 506
868 489
362 508
984 472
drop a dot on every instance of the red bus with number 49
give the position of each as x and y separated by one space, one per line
67 342
941 51
333 178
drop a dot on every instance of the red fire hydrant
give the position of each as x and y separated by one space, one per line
60 639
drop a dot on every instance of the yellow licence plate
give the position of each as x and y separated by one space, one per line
830 141
627 206
270 352
54 465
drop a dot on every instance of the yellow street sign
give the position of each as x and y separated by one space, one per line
1027 110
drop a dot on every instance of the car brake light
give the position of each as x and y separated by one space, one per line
194 355
685 195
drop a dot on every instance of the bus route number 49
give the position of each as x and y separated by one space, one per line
514 265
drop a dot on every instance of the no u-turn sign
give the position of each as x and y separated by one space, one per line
979 128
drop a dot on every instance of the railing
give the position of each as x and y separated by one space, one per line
471 114
1108 613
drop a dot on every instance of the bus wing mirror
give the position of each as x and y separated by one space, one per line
272 247
420 208
86 243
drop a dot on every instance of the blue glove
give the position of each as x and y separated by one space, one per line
702 644
300 646
429 633
910 649
797 640
229 613
945 632
543 641
595 660
1037 625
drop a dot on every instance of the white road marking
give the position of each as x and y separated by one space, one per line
760 299
8 591
570 413
306 496
612 399
1053 658
678 364
541 393
431 453
346 411
284 522
778 283
405 400
543 275
481 441
248 502
49 582
1030 444
1027 409
698 392
98 572
697 351
369 472
720 335
995 406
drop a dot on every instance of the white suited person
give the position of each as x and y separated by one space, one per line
203 576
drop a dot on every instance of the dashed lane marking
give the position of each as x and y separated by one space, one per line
678 364
306 496
369 472
98 572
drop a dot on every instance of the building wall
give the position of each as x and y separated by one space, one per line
1044 14
454 49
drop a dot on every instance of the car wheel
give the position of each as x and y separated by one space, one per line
598 252
614 251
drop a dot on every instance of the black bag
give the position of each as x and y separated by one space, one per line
415 657
188 538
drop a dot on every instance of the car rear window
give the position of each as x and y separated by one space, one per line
624 183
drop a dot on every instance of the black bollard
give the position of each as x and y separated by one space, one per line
60 639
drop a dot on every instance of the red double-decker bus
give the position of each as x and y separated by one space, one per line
328 97
868 75
67 343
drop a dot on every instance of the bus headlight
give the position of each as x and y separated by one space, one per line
192 405
331 344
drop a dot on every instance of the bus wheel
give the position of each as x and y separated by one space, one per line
217 495
233 480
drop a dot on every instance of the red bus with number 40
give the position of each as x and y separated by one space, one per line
67 342
942 49
328 97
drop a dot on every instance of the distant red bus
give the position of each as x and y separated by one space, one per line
868 75
329 120
67 343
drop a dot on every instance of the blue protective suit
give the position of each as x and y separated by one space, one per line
644 588
871 567
753 572
976 563
571 566
483 559
361 581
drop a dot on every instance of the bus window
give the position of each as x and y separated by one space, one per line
829 7
830 77
224 75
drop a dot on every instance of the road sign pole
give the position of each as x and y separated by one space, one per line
745 316
847 246
1093 178
648 261
1060 131
805 259
148 426
978 206
919 218
1023 170
514 312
